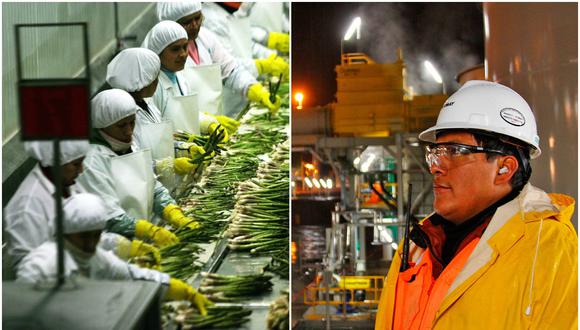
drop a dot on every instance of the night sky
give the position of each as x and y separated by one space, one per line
450 35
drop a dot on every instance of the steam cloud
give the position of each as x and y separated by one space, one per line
442 33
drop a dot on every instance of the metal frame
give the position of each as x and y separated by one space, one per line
57 171
54 82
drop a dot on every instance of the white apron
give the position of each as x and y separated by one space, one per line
206 81
183 112
159 139
134 183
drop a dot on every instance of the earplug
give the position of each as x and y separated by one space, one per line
503 170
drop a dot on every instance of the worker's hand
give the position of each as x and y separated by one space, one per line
212 127
196 151
160 236
279 41
230 124
174 215
183 165
258 94
142 249
179 290
272 65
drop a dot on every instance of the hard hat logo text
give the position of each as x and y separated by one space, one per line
512 117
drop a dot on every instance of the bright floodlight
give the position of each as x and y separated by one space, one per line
308 182
433 72
316 183
299 97
354 26
323 183
329 183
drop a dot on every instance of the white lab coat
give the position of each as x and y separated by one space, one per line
29 217
41 265
166 89
98 178
235 76
219 21
143 117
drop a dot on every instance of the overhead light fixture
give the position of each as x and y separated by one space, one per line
354 27
436 76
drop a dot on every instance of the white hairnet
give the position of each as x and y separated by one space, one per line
43 151
133 69
110 106
84 212
172 11
162 35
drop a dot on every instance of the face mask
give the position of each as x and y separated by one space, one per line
115 144
82 258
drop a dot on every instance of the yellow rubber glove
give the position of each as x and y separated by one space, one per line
127 249
257 93
279 41
272 65
196 151
213 126
173 214
179 290
160 236
230 124
183 165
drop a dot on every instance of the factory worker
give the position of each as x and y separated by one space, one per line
85 216
29 216
229 21
169 40
203 47
124 178
497 253
271 16
136 71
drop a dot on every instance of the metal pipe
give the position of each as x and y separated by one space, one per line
57 174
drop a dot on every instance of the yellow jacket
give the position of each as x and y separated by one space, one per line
494 288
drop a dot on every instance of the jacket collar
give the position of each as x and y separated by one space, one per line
506 227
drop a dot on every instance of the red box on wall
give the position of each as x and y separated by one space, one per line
54 109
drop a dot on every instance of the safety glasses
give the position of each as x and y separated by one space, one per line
451 152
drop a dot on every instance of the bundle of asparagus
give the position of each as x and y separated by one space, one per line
181 260
259 222
278 315
232 288
218 317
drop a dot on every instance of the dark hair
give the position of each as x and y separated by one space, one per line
509 146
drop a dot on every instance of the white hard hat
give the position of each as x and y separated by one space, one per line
162 35
110 106
84 212
491 107
133 69
173 11
69 150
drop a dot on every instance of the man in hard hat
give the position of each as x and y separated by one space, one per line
85 216
497 253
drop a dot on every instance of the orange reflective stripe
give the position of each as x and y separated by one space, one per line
417 301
